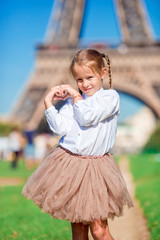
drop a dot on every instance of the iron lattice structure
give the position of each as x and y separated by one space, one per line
135 64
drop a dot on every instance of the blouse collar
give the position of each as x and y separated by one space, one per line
84 96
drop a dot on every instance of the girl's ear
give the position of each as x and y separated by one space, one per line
104 72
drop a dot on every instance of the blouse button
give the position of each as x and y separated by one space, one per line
78 134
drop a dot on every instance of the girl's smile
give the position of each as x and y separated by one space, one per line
88 82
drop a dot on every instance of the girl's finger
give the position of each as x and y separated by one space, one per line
69 89
62 94
67 96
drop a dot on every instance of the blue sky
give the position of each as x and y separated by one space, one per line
23 25
102 15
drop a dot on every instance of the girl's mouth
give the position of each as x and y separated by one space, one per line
87 89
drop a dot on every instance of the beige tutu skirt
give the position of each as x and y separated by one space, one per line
78 188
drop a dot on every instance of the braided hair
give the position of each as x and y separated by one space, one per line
109 69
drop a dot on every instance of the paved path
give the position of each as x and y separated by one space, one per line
132 225
11 181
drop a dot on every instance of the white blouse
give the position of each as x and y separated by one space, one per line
89 126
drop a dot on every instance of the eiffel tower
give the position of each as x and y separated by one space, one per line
135 63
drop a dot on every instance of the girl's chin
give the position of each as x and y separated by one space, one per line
89 93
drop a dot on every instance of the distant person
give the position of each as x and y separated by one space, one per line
79 180
29 151
15 145
41 142
4 148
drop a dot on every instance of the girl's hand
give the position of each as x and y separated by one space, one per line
69 91
61 92
54 94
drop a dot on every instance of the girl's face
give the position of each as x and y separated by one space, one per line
88 82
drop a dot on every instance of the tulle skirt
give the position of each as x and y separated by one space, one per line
78 188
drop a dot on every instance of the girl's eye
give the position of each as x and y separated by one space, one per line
79 80
89 77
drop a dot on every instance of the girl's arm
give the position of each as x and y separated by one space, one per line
97 108
60 122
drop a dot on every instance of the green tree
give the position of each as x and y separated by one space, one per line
153 144
6 128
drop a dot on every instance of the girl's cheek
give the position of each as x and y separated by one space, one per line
78 84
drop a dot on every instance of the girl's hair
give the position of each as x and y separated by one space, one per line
92 59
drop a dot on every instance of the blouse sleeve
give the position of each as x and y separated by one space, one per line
59 122
97 108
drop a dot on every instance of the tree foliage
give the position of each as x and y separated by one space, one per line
153 144
6 128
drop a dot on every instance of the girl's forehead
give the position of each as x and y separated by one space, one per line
82 70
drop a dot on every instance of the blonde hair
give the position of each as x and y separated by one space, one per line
94 60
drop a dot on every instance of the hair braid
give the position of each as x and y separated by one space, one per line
109 71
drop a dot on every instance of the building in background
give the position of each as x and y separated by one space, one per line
135 59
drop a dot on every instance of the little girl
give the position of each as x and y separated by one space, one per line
79 180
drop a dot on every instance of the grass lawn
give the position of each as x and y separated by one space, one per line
146 175
21 219
20 171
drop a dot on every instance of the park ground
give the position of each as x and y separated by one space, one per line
21 219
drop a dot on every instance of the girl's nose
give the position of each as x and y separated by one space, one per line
85 83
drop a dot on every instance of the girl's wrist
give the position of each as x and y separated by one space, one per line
77 98
47 103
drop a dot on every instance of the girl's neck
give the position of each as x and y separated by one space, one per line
86 96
